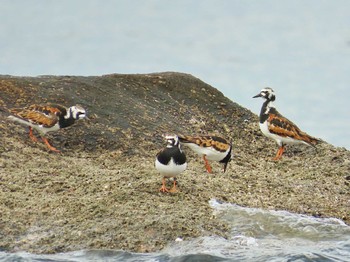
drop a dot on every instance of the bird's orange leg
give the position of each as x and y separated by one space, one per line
174 188
207 165
279 153
163 188
50 146
31 135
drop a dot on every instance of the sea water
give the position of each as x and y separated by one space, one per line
255 235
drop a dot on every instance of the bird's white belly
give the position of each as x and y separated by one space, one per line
45 130
210 153
41 129
171 169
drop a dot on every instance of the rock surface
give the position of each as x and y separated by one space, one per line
101 192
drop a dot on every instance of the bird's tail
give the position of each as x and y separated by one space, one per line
313 141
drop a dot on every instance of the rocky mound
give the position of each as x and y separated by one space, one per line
102 190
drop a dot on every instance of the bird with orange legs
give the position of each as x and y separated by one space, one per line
170 162
47 118
211 148
277 127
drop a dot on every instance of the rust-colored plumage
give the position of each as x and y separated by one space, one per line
278 127
210 147
216 142
283 127
46 118
47 115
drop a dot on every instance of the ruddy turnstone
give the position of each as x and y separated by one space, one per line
210 147
275 126
47 118
170 162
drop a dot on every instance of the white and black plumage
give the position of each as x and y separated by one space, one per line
170 162
47 118
275 126
212 148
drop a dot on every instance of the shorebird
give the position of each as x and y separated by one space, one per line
46 118
212 148
279 128
170 162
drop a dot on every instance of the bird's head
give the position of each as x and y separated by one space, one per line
77 112
172 140
267 93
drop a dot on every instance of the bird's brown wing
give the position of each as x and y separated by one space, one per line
216 142
46 116
283 127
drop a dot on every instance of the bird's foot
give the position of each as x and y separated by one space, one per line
173 190
50 146
208 168
163 189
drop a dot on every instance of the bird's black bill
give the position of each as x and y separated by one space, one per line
258 95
